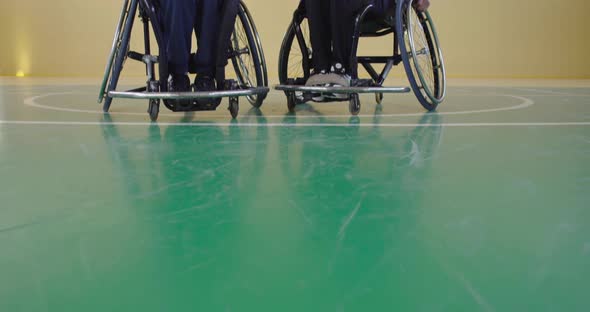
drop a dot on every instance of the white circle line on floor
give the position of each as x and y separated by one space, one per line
525 103
294 125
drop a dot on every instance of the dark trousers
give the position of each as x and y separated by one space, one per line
331 24
206 18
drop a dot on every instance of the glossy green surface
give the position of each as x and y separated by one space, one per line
312 212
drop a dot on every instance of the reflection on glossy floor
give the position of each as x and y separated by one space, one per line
480 207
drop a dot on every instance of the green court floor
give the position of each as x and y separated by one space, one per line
483 206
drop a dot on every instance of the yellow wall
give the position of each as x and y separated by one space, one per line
480 38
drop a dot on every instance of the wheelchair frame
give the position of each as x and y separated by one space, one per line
297 93
155 89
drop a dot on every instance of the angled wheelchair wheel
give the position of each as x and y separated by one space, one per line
295 56
421 54
118 52
247 55
113 53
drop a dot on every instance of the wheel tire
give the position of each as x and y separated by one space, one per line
154 109
354 104
259 76
291 101
107 104
428 97
379 98
292 40
121 55
234 107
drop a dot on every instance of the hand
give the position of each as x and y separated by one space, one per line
422 5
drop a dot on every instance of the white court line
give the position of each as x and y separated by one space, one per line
525 103
295 125
548 92
557 95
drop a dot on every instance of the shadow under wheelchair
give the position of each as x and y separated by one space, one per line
200 193
235 157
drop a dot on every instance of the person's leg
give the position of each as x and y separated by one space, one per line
214 27
207 25
341 26
178 18
226 28
318 15
385 7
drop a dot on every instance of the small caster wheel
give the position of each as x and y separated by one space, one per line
291 101
379 98
234 107
154 109
355 104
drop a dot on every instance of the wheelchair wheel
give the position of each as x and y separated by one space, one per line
421 54
295 55
247 55
355 104
379 98
154 109
113 54
291 101
119 52
234 107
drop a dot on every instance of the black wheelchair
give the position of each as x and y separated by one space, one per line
415 43
245 53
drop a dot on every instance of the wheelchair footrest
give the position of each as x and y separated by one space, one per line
195 107
342 90
187 95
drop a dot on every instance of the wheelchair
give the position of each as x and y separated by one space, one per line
244 52
415 43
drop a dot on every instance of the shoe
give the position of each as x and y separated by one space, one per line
204 83
339 78
179 83
333 80
325 79
317 80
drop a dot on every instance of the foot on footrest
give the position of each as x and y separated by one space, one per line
204 83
